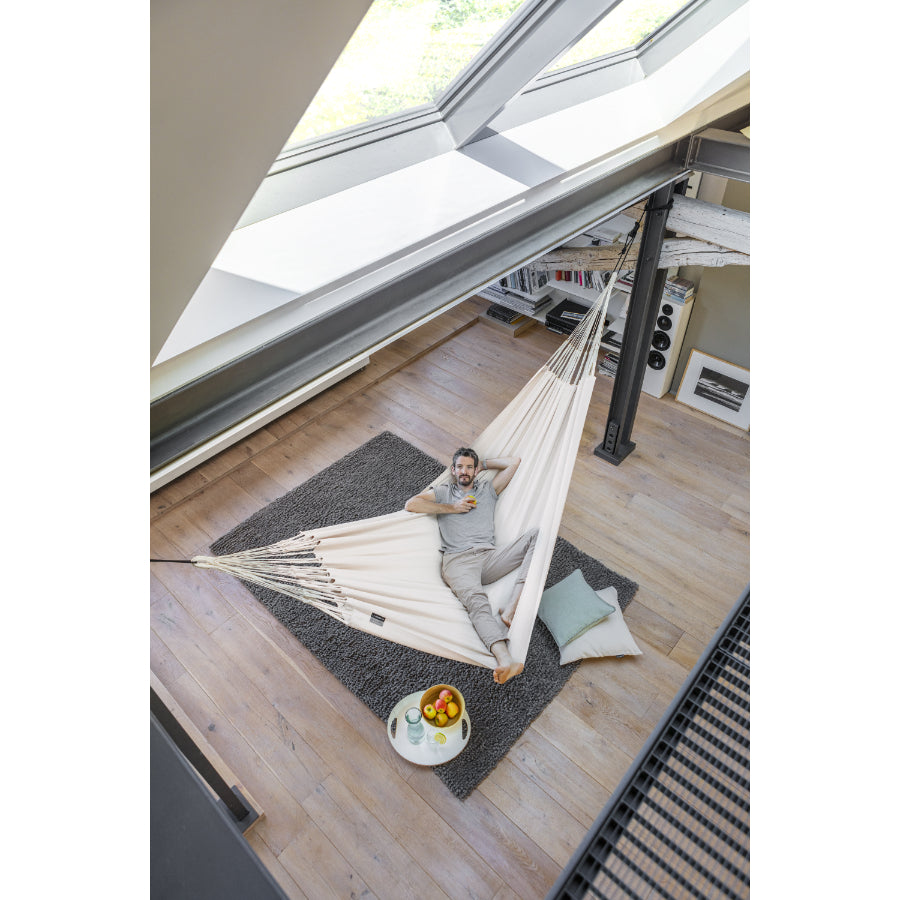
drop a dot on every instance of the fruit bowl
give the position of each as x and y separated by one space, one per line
431 696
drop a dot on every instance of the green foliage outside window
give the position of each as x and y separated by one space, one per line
628 24
406 52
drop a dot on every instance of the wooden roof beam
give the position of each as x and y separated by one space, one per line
719 225
675 252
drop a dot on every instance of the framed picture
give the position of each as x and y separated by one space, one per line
716 387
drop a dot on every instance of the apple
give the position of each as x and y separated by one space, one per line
440 705
430 712
446 695
441 719
452 709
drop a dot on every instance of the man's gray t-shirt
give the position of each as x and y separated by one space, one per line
464 531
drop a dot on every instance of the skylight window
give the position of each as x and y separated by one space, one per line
628 24
403 54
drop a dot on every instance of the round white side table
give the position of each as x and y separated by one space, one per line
428 753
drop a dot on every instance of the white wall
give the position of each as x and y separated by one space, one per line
720 320
229 81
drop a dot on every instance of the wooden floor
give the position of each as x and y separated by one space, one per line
344 815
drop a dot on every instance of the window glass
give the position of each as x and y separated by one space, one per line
628 24
403 54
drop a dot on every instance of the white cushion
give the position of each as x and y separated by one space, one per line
610 638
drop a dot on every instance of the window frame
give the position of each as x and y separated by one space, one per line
602 74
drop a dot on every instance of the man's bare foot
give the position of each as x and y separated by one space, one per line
506 667
502 674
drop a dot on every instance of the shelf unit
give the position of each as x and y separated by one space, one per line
671 323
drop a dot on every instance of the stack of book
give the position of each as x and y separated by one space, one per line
613 338
528 305
679 289
609 365
526 280
506 319
625 281
502 314
586 278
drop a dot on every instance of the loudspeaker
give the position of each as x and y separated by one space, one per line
665 345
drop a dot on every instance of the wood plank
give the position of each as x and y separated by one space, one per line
275 867
520 862
256 483
674 252
385 865
313 861
559 777
539 816
194 591
583 744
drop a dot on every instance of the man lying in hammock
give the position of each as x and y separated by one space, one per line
465 516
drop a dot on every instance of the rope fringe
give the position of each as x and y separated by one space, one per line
289 567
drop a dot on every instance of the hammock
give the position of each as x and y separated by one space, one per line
382 575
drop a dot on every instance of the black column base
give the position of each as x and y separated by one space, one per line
248 820
615 458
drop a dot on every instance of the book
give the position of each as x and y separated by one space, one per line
503 314
526 280
613 338
680 286
625 281
609 365
514 328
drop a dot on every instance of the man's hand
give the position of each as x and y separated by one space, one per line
464 505
426 503
507 466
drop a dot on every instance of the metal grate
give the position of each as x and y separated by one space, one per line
678 826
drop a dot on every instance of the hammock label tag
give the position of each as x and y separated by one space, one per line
375 619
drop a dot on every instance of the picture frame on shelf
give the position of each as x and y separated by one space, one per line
718 388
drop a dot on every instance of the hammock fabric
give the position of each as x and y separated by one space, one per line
382 575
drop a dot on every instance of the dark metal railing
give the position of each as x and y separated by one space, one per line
240 812
678 825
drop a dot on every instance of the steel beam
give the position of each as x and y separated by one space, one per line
189 417
718 152
646 294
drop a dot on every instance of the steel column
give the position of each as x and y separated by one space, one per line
649 283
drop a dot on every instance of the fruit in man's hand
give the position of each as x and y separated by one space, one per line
452 709
446 695
440 705
441 719
430 712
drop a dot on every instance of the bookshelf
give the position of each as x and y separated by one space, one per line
554 297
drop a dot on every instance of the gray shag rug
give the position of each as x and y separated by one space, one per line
374 480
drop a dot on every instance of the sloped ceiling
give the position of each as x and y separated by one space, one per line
229 81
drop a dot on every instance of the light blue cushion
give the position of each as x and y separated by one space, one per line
571 607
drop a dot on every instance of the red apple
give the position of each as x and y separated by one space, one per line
430 712
440 705
446 695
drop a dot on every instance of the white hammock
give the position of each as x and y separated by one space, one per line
382 575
